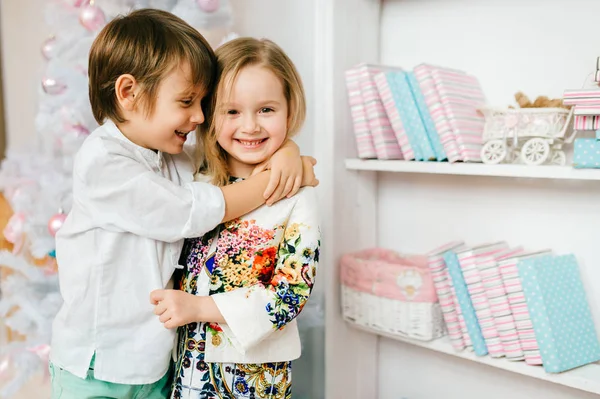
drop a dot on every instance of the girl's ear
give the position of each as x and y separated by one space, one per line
126 89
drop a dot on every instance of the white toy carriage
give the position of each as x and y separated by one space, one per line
533 136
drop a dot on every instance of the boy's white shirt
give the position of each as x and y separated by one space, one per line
132 207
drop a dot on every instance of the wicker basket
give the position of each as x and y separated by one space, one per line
385 291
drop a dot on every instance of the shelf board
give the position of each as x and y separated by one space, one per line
586 378
475 169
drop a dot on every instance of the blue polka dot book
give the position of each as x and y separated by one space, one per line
560 313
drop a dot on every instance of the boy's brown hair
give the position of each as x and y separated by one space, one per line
147 44
232 57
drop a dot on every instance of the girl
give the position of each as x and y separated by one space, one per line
246 281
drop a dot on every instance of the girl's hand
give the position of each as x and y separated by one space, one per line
175 308
286 172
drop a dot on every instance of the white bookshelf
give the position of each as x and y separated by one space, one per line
475 169
586 378
367 203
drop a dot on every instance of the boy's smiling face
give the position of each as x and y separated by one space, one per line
176 113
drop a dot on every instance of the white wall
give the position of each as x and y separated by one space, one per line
23 30
538 46
494 40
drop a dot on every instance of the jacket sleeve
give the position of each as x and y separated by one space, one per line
253 313
121 194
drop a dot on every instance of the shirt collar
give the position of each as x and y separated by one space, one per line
113 131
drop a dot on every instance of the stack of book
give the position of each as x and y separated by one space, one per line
429 114
522 306
586 107
586 116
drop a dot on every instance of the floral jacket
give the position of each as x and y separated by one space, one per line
261 275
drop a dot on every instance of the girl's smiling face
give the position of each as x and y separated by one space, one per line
252 123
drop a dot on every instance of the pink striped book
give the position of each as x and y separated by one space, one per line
386 144
500 309
582 93
586 122
445 292
437 112
468 263
588 96
518 306
586 109
460 95
364 141
482 305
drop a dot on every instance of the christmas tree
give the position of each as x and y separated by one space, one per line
37 184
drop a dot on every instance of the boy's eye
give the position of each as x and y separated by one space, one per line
266 110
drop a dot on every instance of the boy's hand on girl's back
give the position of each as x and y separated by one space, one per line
175 308
308 172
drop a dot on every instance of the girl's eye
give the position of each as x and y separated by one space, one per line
186 102
232 112
266 110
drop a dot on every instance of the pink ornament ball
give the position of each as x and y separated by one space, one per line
48 48
52 86
78 130
92 18
81 130
208 5
55 223
14 229
75 3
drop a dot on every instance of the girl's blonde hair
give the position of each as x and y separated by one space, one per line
232 57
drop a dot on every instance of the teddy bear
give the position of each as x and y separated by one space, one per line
540 102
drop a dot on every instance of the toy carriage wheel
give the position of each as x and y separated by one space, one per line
558 158
535 151
494 152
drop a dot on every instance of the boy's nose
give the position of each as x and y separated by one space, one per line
197 117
